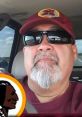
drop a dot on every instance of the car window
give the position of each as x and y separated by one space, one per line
6 42
78 62
77 70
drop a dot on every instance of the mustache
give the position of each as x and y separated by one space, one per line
49 55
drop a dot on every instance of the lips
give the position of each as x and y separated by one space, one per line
14 102
45 59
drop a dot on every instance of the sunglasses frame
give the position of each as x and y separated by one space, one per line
62 33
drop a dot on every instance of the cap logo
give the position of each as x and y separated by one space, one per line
48 13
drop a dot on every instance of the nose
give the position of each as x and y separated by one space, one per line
45 45
16 97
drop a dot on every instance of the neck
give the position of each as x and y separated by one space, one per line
46 95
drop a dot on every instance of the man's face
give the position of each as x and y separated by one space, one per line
48 63
10 98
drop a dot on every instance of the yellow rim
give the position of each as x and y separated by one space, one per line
21 89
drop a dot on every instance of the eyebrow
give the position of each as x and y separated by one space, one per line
56 28
50 29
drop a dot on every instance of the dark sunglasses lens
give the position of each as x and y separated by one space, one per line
59 37
28 40
32 39
58 40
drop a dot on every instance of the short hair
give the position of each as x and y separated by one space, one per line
3 85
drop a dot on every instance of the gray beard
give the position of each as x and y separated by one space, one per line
45 75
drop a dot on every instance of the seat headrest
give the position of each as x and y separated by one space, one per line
18 69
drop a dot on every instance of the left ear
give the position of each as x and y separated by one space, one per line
74 49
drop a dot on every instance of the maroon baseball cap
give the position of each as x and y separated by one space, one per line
48 15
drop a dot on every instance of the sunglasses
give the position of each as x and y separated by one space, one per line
54 37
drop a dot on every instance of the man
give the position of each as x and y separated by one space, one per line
8 98
49 55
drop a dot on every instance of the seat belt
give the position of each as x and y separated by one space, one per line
30 108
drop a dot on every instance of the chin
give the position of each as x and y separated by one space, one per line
12 107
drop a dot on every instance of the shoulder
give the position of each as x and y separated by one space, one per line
76 85
76 88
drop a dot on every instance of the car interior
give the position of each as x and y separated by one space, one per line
14 13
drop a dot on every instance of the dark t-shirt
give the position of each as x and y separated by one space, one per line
68 103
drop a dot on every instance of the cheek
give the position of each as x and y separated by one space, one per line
28 59
66 57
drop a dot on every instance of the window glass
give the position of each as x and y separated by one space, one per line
6 42
78 62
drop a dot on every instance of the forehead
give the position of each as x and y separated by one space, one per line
45 27
10 89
